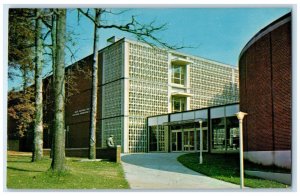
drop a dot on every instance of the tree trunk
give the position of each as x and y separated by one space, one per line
58 160
93 114
38 121
53 49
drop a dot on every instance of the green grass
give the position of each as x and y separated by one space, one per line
23 174
225 167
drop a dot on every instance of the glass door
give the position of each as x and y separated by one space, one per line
176 140
189 140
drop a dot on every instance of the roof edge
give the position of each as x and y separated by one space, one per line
267 29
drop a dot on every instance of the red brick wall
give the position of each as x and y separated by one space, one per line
78 120
77 126
282 78
265 91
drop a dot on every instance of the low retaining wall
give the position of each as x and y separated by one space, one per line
111 154
279 158
279 177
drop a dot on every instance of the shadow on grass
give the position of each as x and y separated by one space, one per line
18 161
225 167
24 170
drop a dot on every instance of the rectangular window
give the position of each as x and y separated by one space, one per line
178 104
153 138
225 134
178 74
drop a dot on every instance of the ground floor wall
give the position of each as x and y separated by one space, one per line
281 158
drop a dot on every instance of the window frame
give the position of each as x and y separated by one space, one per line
178 74
181 101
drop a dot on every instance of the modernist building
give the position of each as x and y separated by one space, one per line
265 66
137 81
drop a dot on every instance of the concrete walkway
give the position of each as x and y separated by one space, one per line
163 171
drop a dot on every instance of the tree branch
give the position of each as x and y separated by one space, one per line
86 14
114 13
46 23
44 38
143 32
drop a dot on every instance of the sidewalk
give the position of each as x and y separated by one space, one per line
163 171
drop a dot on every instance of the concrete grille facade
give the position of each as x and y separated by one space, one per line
112 91
147 91
148 88
136 82
212 84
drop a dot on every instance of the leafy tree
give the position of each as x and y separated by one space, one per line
21 67
20 45
21 109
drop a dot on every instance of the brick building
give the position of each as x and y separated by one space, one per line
265 67
137 81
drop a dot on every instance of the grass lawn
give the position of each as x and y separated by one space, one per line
23 174
225 167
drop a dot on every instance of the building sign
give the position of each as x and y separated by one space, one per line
81 112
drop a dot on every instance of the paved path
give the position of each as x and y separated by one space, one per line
163 171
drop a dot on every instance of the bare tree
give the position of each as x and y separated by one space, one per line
144 32
93 114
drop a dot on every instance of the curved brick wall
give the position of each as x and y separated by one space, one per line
265 88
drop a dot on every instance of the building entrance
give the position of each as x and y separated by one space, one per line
176 140
188 139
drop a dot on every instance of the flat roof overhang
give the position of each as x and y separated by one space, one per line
181 94
183 122
180 61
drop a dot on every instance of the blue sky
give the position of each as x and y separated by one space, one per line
214 33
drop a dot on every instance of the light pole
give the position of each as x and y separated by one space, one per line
240 116
201 142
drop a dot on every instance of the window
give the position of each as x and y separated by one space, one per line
178 104
178 74
225 134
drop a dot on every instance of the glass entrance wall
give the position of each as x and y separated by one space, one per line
176 140
225 129
186 137
178 132
189 140
233 134
204 139
158 138
218 134
153 138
